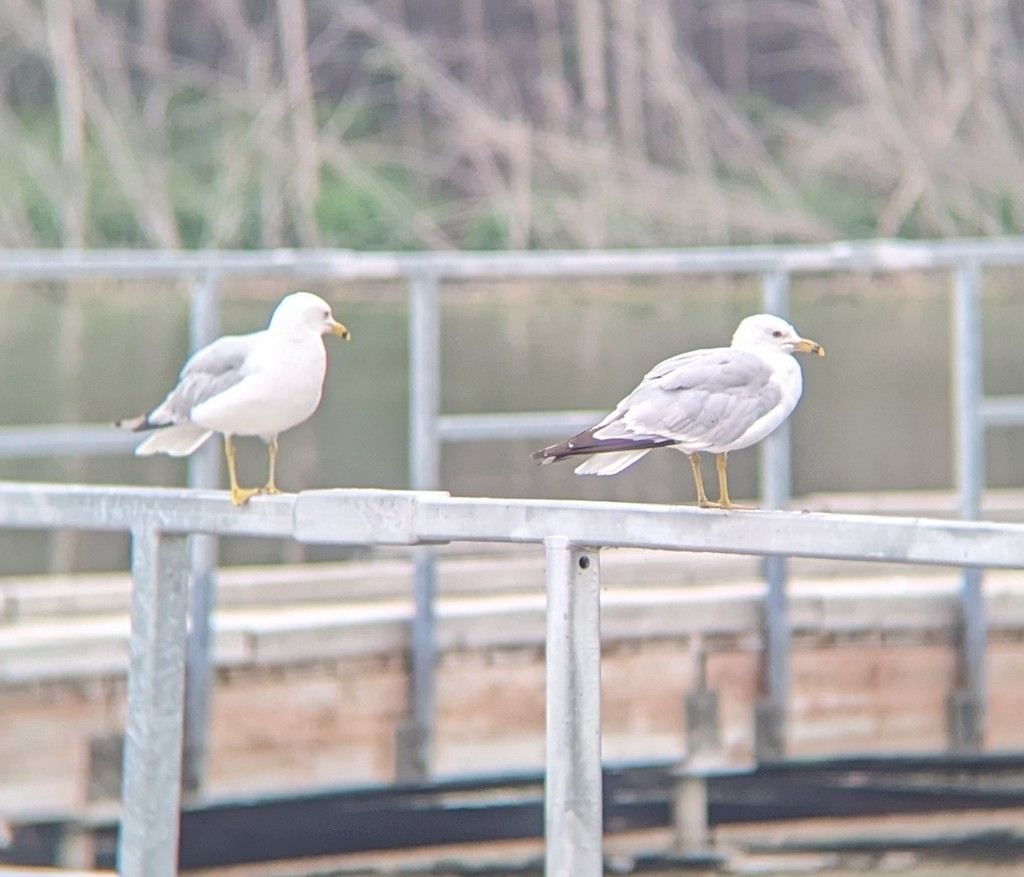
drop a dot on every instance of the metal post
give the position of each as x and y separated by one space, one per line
776 478
151 797
204 326
967 389
203 472
967 705
573 814
775 455
424 382
690 813
415 737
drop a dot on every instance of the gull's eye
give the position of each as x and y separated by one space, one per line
777 333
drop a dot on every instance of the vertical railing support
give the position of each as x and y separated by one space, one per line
690 813
424 382
573 814
151 791
416 734
776 478
415 737
204 465
967 704
203 472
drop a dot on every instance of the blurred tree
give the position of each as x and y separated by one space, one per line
508 123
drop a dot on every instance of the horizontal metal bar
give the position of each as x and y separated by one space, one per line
44 441
854 255
386 517
1002 411
34 506
527 424
408 518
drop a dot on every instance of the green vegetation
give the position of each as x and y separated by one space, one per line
554 123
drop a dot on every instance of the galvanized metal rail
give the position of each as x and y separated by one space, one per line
430 428
571 534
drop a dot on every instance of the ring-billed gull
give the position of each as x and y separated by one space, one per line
716 400
259 384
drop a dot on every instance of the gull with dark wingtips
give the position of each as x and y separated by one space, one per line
260 384
714 401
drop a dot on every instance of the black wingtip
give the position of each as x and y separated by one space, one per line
137 424
554 453
584 444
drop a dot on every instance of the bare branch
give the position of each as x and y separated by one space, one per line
298 83
67 74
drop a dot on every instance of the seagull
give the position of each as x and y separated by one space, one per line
716 400
259 384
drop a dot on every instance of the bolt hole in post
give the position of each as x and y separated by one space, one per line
573 797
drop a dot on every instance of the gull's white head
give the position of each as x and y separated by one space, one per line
303 312
766 331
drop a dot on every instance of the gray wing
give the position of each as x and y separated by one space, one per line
704 398
209 372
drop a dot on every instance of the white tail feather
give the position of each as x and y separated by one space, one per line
609 464
178 441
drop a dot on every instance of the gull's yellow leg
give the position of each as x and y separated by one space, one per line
723 486
239 495
723 482
702 498
271 486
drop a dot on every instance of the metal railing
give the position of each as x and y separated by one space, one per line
430 428
571 534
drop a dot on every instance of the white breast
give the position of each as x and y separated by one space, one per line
282 386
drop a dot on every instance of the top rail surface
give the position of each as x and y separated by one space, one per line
418 517
396 517
29 505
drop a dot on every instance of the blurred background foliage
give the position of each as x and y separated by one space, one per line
408 124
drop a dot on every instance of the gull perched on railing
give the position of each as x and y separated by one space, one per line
716 400
259 384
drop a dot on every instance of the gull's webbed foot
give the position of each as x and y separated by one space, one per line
730 505
241 495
